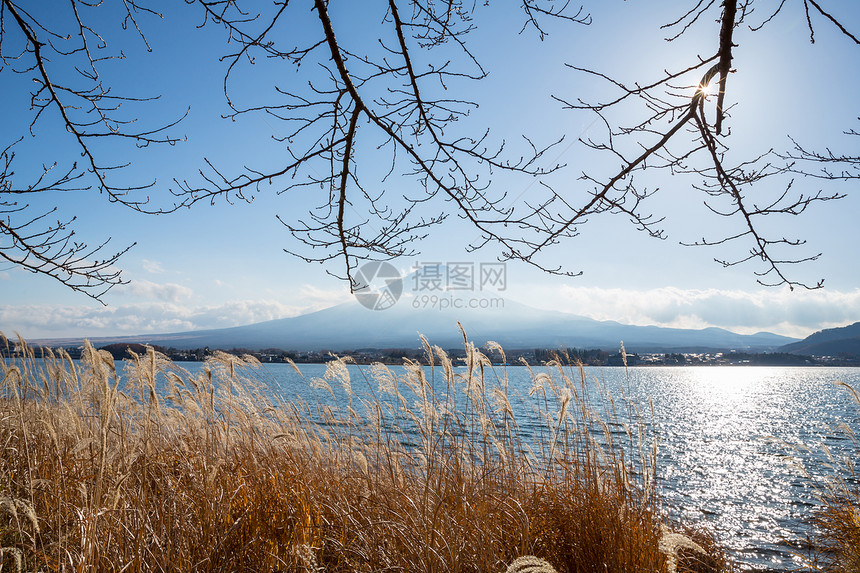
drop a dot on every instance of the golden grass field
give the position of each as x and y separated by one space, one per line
102 471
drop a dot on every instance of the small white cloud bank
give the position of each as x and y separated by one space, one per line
148 290
153 267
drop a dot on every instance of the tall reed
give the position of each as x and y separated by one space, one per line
837 521
142 466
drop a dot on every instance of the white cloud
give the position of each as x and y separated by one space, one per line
165 314
152 266
793 313
169 292
323 298
44 321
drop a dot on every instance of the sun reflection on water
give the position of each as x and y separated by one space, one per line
726 437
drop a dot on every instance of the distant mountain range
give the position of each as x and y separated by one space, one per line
843 341
350 326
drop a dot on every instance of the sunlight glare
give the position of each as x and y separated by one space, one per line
709 89
728 383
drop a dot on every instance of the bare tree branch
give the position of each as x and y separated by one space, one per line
389 98
823 164
346 106
88 112
678 150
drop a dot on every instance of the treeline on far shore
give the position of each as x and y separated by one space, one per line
589 357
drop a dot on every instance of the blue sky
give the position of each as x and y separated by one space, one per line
223 265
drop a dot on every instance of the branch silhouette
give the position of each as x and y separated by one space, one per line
396 99
64 66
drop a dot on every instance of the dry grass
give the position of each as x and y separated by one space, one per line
150 468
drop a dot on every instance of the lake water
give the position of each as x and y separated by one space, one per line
733 442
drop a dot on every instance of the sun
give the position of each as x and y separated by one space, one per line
709 89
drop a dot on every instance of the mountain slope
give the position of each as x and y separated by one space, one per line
350 326
829 342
